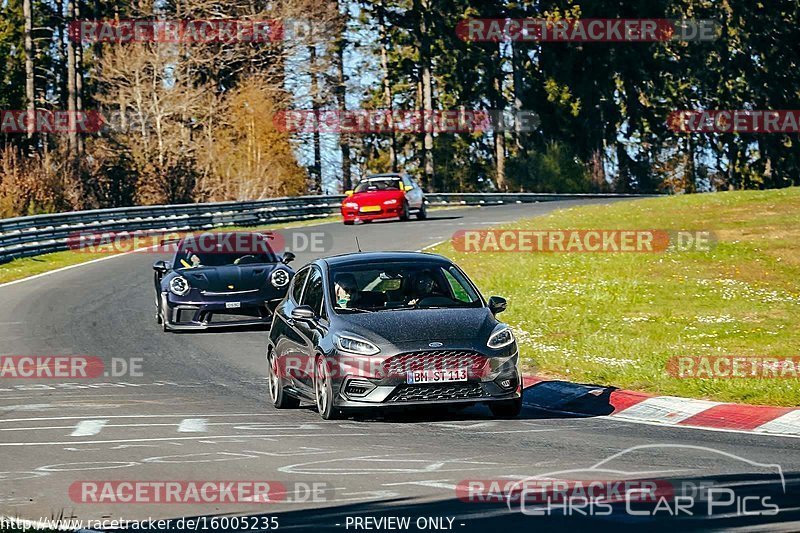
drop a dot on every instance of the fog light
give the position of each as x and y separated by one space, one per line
506 383
358 387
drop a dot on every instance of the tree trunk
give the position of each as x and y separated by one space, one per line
78 78
387 86
341 94
30 93
422 7
499 134
72 105
316 170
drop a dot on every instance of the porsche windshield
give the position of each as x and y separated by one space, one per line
396 286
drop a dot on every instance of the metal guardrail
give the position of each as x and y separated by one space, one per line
42 234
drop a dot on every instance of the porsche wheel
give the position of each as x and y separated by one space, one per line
277 394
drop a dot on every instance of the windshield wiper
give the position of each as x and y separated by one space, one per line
352 310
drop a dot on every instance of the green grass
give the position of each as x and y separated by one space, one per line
617 319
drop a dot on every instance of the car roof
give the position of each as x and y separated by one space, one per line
372 257
382 176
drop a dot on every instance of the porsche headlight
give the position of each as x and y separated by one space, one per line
279 278
179 286
501 337
351 205
356 345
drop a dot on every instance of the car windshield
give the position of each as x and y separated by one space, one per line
211 250
385 184
399 286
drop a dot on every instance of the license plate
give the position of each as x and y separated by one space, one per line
436 376
233 305
370 209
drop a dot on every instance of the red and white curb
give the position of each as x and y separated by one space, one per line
662 410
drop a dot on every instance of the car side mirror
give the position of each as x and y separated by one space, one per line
288 257
349 193
497 304
162 266
304 313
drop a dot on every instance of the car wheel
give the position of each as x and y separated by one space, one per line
422 214
277 394
323 391
404 214
506 409
349 222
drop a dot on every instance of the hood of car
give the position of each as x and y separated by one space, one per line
375 197
229 278
433 325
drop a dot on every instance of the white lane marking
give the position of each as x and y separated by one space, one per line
434 245
665 409
193 425
300 435
87 428
138 416
237 425
788 423
433 483
466 425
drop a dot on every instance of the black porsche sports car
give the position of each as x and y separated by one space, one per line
221 280
376 330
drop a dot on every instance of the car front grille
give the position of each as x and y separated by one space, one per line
439 391
399 365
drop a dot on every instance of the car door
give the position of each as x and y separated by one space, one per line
311 331
414 194
288 343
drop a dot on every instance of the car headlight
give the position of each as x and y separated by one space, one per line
356 345
351 205
390 202
502 336
179 286
279 278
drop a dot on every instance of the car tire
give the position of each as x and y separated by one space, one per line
506 409
277 394
164 321
323 391
349 222
422 214
404 216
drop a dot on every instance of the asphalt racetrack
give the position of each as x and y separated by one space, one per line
200 411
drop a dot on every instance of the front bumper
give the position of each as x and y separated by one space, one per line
193 313
384 383
393 211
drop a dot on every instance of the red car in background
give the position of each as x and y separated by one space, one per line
384 196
